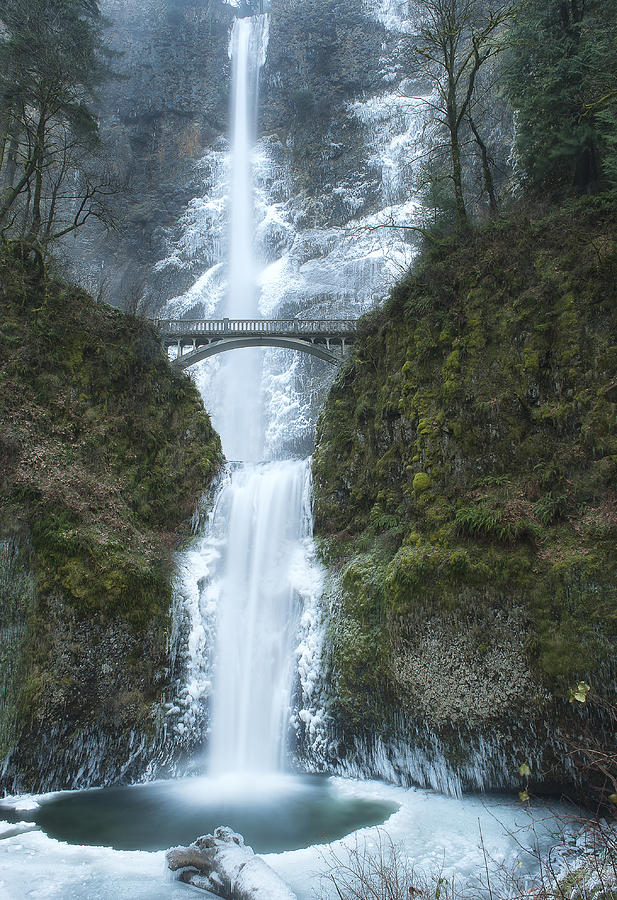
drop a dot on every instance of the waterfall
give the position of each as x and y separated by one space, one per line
240 422
255 556
256 404
264 513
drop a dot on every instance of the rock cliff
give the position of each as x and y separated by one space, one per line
465 499
167 104
104 453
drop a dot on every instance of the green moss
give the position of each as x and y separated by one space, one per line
357 640
16 602
488 378
104 452
421 482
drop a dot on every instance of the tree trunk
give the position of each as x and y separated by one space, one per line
39 155
12 193
11 157
457 172
5 118
51 214
487 175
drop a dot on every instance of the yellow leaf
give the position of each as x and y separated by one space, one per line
612 798
580 694
524 770
523 796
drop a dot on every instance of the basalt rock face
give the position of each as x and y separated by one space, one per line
324 55
167 105
104 454
465 498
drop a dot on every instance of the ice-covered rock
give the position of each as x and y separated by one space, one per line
223 864
26 804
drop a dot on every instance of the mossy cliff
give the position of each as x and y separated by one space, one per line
465 477
104 452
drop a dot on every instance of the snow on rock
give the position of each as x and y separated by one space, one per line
223 864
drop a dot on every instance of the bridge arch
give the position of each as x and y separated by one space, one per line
224 345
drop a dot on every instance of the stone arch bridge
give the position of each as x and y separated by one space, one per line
197 339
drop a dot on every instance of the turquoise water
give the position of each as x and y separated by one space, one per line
272 813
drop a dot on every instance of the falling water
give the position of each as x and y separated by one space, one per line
266 514
247 45
240 422
257 536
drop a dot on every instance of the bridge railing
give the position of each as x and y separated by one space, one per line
182 327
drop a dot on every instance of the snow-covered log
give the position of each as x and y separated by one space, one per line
223 864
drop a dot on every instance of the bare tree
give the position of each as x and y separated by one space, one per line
454 41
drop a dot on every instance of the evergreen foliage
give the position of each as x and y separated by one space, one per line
51 61
561 79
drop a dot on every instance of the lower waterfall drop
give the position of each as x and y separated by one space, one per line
262 525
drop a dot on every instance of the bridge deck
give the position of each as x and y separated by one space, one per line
174 330
208 337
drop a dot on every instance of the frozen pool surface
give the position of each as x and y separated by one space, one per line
273 813
434 832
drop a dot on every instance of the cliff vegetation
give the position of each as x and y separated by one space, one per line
104 452
465 488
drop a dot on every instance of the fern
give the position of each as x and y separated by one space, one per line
481 520
550 508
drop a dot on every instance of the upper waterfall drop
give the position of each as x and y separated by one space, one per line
247 50
239 381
